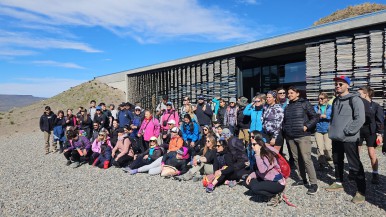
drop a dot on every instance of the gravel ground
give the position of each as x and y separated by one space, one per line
34 184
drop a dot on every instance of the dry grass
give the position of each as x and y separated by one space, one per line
351 11
26 119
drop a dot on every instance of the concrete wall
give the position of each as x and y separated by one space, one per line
116 80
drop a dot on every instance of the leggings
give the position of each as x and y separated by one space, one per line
139 162
223 178
265 188
153 168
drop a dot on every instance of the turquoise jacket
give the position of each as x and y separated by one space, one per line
256 117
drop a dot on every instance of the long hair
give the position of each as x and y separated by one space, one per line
368 90
265 152
212 141
191 125
224 144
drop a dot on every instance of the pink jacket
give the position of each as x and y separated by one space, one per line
267 171
149 128
167 116
96 145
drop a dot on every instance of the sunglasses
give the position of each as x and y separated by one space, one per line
321 98
153 140
205 129
186 100
280 92
95 125
339 84
208 141
169 124
218 146
257 101
101 135
173 132
138 110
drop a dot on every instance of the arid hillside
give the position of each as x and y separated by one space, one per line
351 11
26 119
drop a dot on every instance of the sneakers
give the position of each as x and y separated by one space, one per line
178 178
358 198
68 163
335 187
313 189
274 201
188 176
375 179
300 183
209 188
133 172
232 183
197 178
126 169
75 165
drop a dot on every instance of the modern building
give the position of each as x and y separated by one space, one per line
308 59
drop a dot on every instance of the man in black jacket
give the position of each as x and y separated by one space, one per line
204 112
243 121
47 121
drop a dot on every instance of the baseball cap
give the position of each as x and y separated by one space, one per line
343 78
226 133
169 103
153 138
200 97
98 108
171 122
174 130
232 100
137 107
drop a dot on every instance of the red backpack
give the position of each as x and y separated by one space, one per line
285 168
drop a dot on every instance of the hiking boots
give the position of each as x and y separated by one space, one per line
75 164
358 198
335 187
188 176
274 201
232 183
197 178
313 189
375 179
68 163
300 183
126 169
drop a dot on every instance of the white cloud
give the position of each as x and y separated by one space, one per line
145 21
57 64
250 2
14 52
44 87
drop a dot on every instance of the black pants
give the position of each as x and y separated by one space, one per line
223 178
354 162
75 156
265 188
122 161
139 162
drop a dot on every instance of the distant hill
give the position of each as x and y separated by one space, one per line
351 11
8 102
26 119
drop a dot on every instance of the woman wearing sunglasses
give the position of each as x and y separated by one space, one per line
323 109
255 110
103 138
266 180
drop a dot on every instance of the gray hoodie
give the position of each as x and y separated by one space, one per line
346 123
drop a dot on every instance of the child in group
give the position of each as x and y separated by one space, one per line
104 157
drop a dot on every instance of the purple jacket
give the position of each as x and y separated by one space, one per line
82 143
267 171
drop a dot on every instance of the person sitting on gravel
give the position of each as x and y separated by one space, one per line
103 138
223 166
104 157
203 163
95 131
79 151
176 142
190 132
175 163
149 156
46 123
59 128
266 180
114 132
122 153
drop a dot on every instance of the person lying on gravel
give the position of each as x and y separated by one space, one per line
104 157
79 151
149 156
103 138
266 180
122 153
175 163
203 163
223 166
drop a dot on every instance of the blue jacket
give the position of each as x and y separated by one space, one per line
256 117
187 134
324 123
124 117
136 121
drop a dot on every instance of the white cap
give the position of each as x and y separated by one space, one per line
137 107
172 122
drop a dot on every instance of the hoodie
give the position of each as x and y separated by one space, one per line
346 121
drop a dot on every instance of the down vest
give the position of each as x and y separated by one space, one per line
298 114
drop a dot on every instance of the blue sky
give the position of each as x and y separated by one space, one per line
48 46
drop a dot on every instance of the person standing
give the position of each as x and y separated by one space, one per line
372 129
92 109
203 112
47 122
125 116
272 121
243 121
230 119
348 116
323 142
299 121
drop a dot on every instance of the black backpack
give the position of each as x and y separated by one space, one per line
239 154
136 145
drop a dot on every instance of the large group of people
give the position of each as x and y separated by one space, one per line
220 144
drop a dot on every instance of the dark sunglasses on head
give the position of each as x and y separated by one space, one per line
339 84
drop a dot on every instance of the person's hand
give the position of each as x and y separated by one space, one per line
65 150
67 121
249 178
164 136
272 142
139 135
217 173
84 152
323 116
145 157
112 155
379 140
305 128
192 144
256 148
194 161
135 157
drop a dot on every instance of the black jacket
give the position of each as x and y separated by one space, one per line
47 122
221 114
298 114
204 117
224 159
243 121
374 117
180 164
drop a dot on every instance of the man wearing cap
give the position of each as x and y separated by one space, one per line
348 116
230 118
138 116
125 116
203 112
101 118
169 114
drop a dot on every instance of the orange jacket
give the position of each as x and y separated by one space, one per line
175 143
